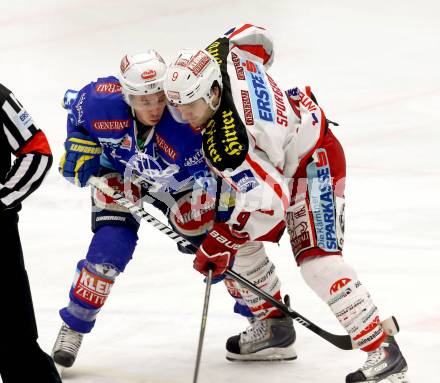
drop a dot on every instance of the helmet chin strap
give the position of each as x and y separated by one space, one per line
211 105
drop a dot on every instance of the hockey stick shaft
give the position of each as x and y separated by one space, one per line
203 325
341 341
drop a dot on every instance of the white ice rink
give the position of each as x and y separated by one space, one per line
374 67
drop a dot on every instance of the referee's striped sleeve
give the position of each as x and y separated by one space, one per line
29 145
18 125
26 174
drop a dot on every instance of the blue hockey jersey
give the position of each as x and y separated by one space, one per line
171 157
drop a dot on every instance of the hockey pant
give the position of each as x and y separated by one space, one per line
315 222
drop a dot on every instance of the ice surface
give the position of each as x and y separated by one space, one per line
374 67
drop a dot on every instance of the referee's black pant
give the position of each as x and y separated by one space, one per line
21 359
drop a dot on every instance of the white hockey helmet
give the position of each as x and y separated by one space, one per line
191 77
142 73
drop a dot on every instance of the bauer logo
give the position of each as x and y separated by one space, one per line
103 125
245 181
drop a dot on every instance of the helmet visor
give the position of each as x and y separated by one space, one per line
148 101
195 113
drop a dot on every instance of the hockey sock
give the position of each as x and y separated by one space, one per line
335 282
252 262
109 252
90 289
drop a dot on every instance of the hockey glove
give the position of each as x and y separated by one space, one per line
81 159
218 250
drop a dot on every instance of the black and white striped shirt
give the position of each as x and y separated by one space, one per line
20 137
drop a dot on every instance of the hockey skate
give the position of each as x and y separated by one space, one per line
265 340
385 363
66 347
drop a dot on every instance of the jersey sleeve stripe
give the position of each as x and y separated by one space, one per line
241 29
17 103
277 188
13 143
28 166
18 170
11 112
31 173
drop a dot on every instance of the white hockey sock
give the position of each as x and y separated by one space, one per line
252 263
335 282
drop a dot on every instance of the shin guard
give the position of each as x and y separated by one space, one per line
90 288
252 262
337 284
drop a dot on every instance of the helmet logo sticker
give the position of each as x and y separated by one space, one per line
124 64
173 95
181 62
148 74
174 76
198 63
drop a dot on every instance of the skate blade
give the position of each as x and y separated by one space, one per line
60 369
399 377
273 354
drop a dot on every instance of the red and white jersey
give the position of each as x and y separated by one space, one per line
281 128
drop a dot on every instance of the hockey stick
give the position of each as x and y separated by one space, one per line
341 341
203 325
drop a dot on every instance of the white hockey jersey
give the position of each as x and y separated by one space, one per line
259 135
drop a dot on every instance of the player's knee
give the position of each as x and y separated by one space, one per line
253 262
321 272
112 245
249 254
